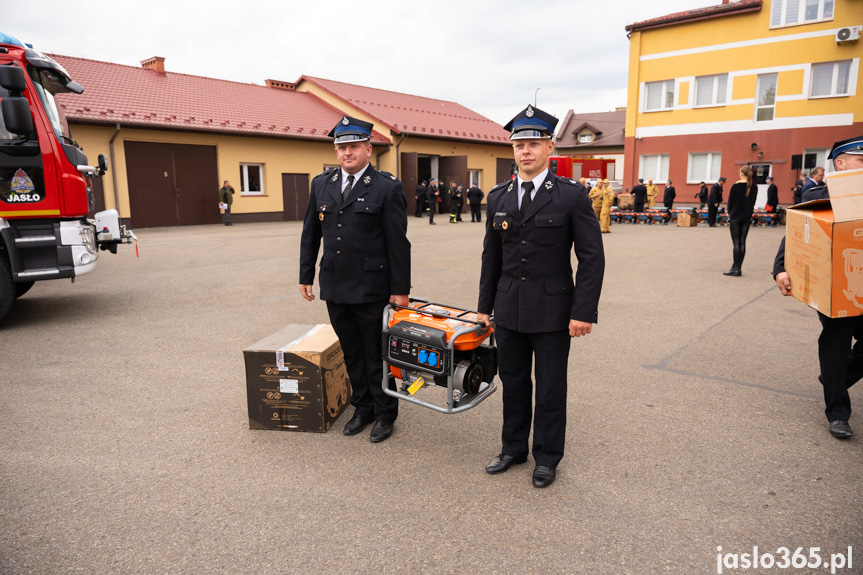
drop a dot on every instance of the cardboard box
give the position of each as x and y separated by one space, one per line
296 379
625 201
824 248
687 220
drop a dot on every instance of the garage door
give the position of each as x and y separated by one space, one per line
172 184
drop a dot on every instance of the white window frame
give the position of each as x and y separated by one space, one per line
758 107
664 86
661 164
820 159
585 138
834 83
474 178
244 179
793 12
719 96
712 168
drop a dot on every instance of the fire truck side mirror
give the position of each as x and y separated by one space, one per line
16 115
12 78
103 164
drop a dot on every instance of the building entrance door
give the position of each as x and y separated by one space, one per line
760 173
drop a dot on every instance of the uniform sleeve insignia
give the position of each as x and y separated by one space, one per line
572 181
548 185
504 225
367 180
393 177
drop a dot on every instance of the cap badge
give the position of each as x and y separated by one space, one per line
529 112
345 121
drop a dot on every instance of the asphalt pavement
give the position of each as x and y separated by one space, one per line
695 421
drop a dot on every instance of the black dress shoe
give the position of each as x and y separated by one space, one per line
381 431
357 423
543 476
503 462
840 429
732 272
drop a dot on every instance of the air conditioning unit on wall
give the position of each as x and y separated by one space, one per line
848 34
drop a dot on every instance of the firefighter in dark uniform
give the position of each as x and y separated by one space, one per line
841 363
361 215
714 201
532 224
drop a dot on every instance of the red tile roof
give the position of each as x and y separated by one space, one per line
733 7
138 97
416 115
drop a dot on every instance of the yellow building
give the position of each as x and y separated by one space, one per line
769 83
173 139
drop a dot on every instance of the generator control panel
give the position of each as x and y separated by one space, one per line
417 347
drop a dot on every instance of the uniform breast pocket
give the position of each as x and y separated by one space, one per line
550 229
367 215
502 224
325 213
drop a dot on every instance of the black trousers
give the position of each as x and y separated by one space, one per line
359 329
639 207
421 206
739 231
841 364
475 211
516 350
712 211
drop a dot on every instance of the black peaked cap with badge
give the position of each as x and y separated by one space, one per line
531 124
351 130
853 146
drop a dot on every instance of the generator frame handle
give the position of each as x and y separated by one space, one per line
473 399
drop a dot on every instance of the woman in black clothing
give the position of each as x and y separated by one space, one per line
741 204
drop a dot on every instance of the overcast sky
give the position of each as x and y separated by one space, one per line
488 56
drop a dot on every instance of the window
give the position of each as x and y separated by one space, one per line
814 157
830 79
585 138
765 104
655 167
252 179
659 95
791 12
711 90
475 178
704 167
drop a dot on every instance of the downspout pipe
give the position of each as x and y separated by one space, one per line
114 168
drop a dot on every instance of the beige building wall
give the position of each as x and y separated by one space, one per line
277 156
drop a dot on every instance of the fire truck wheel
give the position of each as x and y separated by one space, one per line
7 288
22 287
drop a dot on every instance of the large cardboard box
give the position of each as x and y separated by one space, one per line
687 219
824 248
625 201
296 379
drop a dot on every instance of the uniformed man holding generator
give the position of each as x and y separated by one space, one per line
361 215
532 224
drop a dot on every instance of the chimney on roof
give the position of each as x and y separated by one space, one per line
156 63
281 85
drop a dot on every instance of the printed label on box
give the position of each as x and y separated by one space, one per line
289 386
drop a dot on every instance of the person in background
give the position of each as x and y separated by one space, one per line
460 195
841 363
702 196
433 198
605 212
595 196
741 204
652 192
226 196
772 196
714 201
797 192
816 178
639 196
669 195
474 197
420 196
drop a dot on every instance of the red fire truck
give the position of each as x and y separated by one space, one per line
577 167
45 187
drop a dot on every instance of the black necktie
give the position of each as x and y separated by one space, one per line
525 199
349 186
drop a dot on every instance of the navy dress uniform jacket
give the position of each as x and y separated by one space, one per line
367 256
526 276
